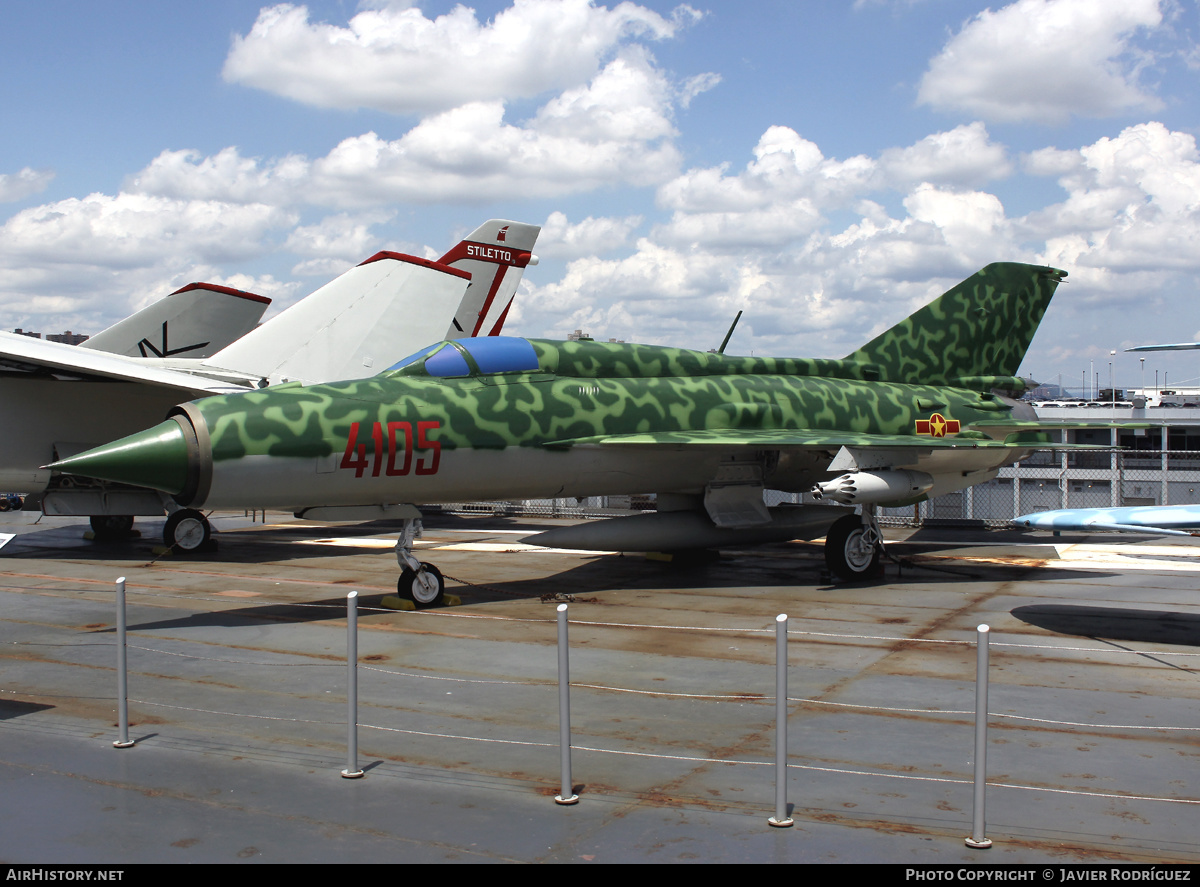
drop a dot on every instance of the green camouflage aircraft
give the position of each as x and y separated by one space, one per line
924 409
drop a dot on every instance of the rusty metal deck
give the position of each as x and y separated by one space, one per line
237 674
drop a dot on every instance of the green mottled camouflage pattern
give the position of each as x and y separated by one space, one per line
981 326
940 360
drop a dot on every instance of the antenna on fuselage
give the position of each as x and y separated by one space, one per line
732 327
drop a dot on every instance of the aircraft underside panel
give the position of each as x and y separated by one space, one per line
533 473
454 476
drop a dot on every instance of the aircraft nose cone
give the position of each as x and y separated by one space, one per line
156 458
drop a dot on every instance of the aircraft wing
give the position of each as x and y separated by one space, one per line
790 438
1183 346
1171 520
26 355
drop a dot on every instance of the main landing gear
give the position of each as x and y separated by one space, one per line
420 583
110 527
853 546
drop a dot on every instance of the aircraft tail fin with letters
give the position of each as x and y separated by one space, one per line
196 321
495 255
979 329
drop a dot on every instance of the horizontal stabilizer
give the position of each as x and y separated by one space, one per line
196 321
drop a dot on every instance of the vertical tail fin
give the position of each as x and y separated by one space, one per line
196 321
354 326
495 255
981 327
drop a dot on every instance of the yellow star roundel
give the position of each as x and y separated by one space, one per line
938 425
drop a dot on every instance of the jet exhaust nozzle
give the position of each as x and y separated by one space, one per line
872 487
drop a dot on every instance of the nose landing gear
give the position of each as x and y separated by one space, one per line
187 531
419 582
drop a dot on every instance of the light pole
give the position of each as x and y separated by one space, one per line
1112 391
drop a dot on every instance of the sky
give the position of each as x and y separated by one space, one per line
824 167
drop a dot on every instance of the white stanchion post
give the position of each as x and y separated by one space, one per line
781 818
977 839
566 794
123 740
352 771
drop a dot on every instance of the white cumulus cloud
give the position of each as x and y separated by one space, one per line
1045 60
615 130
1133 204
90 261
27 182
396 59
592 236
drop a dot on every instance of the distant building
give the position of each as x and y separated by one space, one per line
67 338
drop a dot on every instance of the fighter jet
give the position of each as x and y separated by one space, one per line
1168 520
60 400
924 409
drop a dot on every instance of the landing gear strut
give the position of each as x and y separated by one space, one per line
853 545
420 583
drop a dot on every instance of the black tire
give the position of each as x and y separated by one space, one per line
411 588
187 531
845 554
106 527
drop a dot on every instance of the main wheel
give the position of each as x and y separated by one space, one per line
111 526
426 588
187 530
849 553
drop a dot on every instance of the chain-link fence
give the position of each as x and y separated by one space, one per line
1047 480
1108 478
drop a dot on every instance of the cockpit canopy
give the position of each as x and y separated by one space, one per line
471 356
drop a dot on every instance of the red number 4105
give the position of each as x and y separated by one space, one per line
356 453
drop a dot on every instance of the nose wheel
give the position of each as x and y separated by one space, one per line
419 582
187 530
424 587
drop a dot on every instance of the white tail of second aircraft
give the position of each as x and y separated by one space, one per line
386 308
196 321
352 327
